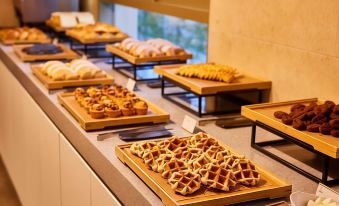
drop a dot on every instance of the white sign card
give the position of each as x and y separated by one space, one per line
189 124
130 84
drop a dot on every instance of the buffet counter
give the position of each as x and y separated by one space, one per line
99 156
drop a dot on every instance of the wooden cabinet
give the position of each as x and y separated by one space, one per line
100 195
44 167
75 176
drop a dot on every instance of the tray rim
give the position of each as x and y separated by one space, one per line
168 200
136 60
159 115
73 35
21 42
262 84
51 84
249 112
67 54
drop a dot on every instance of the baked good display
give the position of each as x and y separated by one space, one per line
317 118
212 72
111 101
322 202
196 161
98 30
69 19
78 69
150 48
23 34
42 49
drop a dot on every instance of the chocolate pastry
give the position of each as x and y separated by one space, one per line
298 124
335 123
310 107
41 49
323 110
298 107
287 120
335 132
319 119
279 114
325 128
334 115
336 109
297 114
313 127
310 114
329 104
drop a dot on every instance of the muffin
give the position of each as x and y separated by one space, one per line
87 103
127 108
112 110
97 111
141 108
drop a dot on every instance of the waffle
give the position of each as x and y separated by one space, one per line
225 159
245 172
138 148
217 177
212 151
151 155
185 182
191 154
172 166
199 163
173 144
203 141
163 160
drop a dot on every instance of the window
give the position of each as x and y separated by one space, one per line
141 24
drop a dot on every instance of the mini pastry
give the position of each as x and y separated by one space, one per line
127 108
141 108
112 110
97 111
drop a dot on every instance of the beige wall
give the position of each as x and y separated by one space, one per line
294 43
7 14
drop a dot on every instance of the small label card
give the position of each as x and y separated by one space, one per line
326 192
55 41
130 84
189 124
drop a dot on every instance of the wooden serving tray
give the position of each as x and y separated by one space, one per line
155 115
11 42
66 54
204 87
51 84
137 60
55 27
82 40
264 113
269 186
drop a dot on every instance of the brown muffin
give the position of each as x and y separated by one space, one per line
313 127
298 124
279 114
325 128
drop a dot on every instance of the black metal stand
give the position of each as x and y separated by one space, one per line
131 70
93 50
238 101
287 138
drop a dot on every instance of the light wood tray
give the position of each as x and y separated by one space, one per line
82 40
51 84
269 186
136 60
264 113
11 42
55 27
204 87
66 54
155 115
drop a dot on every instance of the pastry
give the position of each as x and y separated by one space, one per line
112 110
172 166
245 172
97 111
185 182
23 34
127 108
217 177
322 202
151 155
138 148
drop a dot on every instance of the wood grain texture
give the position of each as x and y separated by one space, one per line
263 113
137 60
83 40
203 87
50 84
269 186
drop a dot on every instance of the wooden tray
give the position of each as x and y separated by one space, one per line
11 42
51 84
204 87
269 186
155 115
136 60
55 27
82 40
66 54
263 113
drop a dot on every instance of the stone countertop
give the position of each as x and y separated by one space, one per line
100 155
